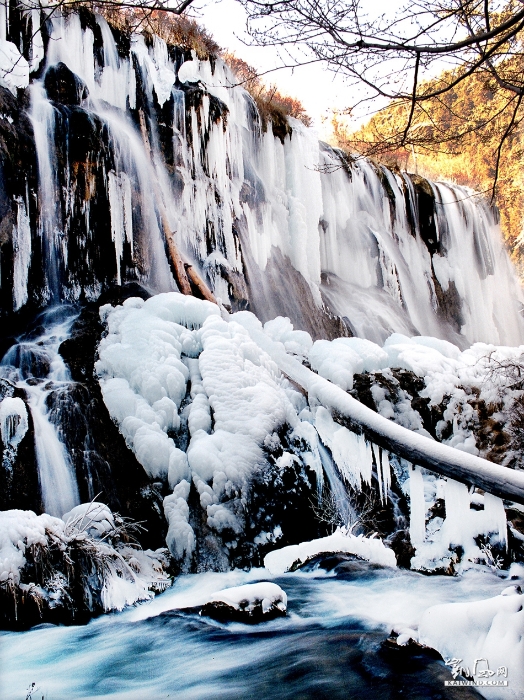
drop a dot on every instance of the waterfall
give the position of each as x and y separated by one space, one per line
341 501
35 366
156 145
42 116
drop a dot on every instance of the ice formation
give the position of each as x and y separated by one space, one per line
370 548
13 421
172 361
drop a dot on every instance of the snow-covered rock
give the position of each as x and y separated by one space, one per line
370 548
252 602
57 571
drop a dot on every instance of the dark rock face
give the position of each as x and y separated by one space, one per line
400 543
103 462
77 590
19 485
64 86
18 195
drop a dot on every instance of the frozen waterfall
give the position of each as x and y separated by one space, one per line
152 143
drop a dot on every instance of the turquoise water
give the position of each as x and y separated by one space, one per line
329 645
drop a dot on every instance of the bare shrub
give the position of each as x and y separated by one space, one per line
271 103
359 512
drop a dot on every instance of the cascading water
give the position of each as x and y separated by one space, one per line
43 120
178 417
34 365
158 143
345 512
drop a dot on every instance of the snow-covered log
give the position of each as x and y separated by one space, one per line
417 449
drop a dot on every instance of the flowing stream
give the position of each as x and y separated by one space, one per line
328 646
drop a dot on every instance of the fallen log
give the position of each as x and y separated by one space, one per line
417 449
199 283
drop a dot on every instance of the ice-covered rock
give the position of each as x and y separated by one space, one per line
290 558
251 603
204 408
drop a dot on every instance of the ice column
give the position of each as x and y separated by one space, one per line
417 506
495 517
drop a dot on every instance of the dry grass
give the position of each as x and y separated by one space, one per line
176 30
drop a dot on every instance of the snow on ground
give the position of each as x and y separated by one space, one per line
482 639
370 548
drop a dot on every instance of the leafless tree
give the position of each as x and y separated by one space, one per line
413 55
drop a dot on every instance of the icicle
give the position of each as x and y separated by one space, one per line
346 453
366 459
22 252
13 421
386 473
37 42
119 190
376 452
383 471
496 517
457 511
42 116
351 453
417 506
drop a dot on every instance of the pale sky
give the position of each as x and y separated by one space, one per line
318 90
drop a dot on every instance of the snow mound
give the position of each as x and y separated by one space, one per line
19 531
14 69
197 401
485 639
94 518
370 548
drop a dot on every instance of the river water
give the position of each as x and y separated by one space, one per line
329 645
